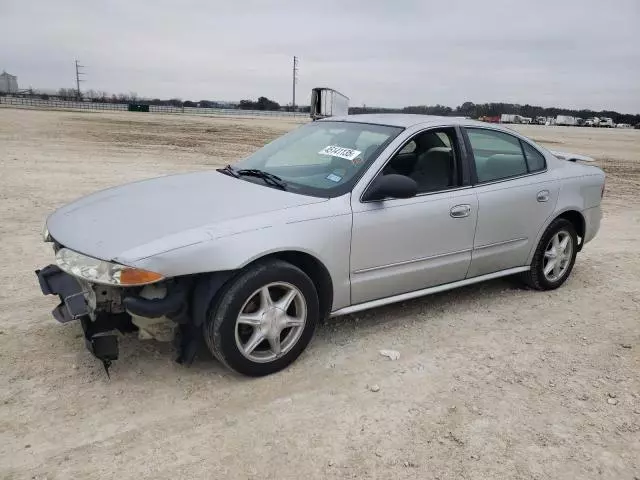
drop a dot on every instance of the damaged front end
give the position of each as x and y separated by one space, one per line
107 297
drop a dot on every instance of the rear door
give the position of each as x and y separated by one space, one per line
515 194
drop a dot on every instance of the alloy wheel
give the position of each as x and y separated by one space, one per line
270 322
557 256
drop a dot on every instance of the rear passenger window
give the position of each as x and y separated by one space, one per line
535 159
497 155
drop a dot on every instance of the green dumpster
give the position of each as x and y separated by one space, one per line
138 107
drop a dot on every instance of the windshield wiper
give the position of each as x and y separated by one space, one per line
269 178
228 170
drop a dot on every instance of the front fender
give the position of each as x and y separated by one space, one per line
328 239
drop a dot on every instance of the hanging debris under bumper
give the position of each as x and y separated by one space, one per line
99 332
103 311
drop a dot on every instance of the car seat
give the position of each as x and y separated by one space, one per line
434 169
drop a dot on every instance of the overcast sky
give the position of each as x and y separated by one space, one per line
578 54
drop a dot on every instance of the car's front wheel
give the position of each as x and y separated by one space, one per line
264 319
554 256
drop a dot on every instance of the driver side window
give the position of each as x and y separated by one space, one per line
429 158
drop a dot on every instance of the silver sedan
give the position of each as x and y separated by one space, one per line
337 216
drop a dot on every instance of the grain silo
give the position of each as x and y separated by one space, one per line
8 83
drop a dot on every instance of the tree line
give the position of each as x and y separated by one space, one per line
477 110
263 103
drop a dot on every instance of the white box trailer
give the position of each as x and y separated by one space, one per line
327 102
566 120
509 118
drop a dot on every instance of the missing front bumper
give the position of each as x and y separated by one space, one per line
100 333
100 326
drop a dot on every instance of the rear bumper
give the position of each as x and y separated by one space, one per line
592 217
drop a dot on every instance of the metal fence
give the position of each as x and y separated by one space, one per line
55 104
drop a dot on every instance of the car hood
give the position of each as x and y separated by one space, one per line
122 219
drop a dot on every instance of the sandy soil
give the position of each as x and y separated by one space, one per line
493 381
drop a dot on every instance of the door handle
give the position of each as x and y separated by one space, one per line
460 211
543 195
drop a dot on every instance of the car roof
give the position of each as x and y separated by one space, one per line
406 120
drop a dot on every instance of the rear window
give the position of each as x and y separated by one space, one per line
498 155
535 160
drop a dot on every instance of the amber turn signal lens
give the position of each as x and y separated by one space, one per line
136 276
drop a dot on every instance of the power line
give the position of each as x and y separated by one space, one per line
78 73
295 80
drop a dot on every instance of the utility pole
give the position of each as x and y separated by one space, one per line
78 73
295 80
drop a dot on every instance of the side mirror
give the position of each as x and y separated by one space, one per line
391 186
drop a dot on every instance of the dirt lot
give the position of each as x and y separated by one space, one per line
493 381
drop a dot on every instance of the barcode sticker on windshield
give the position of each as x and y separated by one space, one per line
342 152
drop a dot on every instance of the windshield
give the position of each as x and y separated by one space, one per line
323 159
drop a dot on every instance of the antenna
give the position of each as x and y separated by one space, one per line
78 73
295 80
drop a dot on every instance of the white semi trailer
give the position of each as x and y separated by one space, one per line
566 120
510 118
327 102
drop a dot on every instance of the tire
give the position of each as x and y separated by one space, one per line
536 277
231 337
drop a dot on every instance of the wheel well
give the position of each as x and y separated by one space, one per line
316 271
577 220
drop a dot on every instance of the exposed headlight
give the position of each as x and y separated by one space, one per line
45 234
105 273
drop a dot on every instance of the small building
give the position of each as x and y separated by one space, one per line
8 83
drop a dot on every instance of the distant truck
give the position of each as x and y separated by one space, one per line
510 118
327 102
490 119
592 122
607 122
545 120
566 120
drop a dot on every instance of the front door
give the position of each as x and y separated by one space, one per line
516 195
403 245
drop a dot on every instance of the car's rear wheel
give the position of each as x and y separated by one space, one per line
554 257
264 319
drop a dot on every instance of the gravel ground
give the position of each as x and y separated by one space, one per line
494 381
